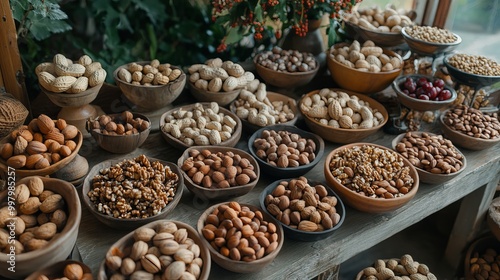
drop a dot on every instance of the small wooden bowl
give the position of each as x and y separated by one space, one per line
57 270
287 172
426 176
361 81
362 202
64 99
466 78
360 274
216 193
479 246
240 266
285 79
382 39
222 98
129 224
120 144
126 242
272 96
427 48
345 135
58 248
151 97
48 170
231 142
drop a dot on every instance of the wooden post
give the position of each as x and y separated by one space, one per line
11 68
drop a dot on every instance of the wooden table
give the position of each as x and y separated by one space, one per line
360 231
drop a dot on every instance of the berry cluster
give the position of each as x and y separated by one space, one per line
424 89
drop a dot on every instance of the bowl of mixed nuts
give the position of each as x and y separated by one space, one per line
70 269
430 40
130 192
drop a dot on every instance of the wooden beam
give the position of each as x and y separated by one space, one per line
442 13
11 67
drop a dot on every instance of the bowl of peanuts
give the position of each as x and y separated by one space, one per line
351 63
397 267
150 85
430 40
470 128
155 185
240 237
342 116
218 173
70 269
285 151
472 70
354 171
307 210
436 159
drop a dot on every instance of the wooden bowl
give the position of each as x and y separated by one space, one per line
231 142
133 223
466 78
426 176
360 201
493 217
382 39
240 266
56 270
272 96
345 135
218 193
48 170
361 81
300 235
463 140
222 98
125 243
64 99
285 79
419 104
427 48
58 248
151 97
479 246
120 144
287 172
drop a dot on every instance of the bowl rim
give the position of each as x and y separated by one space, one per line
192 88
92 208
448 65
408 37
457 133
43 271
340 204
395 33
143 62
398 139
399 92
89 91
411 193
292 74
96 133
320 146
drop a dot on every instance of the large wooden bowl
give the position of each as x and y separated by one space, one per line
285 79
125 243
218 193
59 247
48 170
222 98
345 135
64 99
151 97
129 224
427 48
360 201
56 270
361 81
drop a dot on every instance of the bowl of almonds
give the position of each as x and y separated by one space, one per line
164 249
217 173
150 85
41 229
69 268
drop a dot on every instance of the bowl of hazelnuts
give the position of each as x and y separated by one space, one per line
119 133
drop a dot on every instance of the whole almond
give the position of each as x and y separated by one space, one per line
35 244
144 234
31 206
45 231
35 185
6 150
45 124
73 271
52 203
21 193
307 226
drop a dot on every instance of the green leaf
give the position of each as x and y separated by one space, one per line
258 13
154 9
153 43
124 23
233 36
54 12
42 27
18 8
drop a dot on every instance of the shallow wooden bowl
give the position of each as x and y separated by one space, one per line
64 99
57 270
126 242
59 247
288 172
465 141
120 144
217 193
479 246
231 142
362 202
361 81
222 98
272 96
129 224
48 170
240 266
382 39
151 97
427 48
285 79
345 135
426 176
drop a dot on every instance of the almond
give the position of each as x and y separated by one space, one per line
42 163
6 150
21 193
26 134
52 203
35 147
71 144
31 206
61 124
45 124
242 179
17 161
56 136
65 151
307 226
32 160
45 231
69 132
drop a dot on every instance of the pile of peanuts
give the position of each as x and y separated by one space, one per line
290 61
240 233
122 124
200 124
473 122
284 149
152 74
372 171
475 64
340 110
219 76
485 265
431 153
431 34
298 204
404 268
218 170
376 19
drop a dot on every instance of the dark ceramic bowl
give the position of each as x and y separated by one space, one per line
469 79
